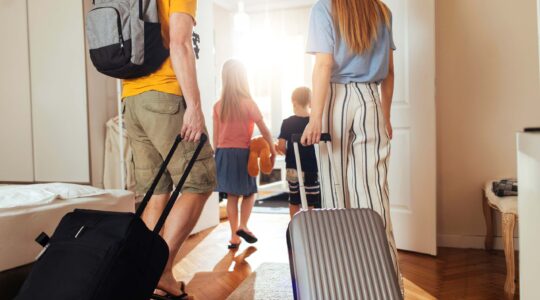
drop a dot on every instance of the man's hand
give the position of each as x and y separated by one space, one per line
312 133
193 125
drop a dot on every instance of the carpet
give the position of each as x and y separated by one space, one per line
270 281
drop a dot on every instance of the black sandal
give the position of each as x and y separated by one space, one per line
233 246
246 236
183 295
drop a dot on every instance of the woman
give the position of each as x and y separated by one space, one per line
235 115
353 47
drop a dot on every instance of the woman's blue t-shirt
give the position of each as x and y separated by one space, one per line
371 66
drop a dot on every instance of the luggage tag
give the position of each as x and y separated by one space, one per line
43 240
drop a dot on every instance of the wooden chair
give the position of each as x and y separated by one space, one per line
507 207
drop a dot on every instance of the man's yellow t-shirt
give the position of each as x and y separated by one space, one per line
164 78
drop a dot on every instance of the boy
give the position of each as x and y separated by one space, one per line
301 100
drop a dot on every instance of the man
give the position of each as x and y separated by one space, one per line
157 108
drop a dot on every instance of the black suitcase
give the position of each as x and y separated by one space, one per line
104 255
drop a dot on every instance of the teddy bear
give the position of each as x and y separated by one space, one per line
259 148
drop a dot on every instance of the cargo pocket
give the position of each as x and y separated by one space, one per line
169 106
190 147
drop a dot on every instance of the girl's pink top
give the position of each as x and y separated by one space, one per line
237 133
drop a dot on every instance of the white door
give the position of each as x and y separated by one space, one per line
413 162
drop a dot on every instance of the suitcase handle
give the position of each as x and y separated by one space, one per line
162 170
325 137
180 184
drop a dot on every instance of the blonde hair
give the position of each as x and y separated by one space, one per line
234 90
301 96
358 21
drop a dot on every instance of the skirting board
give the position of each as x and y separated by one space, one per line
470 241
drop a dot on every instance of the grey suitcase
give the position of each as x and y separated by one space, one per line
340 253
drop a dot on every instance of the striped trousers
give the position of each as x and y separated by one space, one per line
361 150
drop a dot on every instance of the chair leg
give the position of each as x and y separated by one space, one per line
489 223
508 223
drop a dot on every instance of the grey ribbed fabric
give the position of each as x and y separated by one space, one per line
341 254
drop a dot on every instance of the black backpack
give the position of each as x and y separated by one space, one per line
124 37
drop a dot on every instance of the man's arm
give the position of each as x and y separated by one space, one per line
183 62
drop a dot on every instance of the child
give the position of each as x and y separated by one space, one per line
301 100
235 115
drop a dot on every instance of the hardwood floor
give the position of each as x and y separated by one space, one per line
213 272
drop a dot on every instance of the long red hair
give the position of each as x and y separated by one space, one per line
359 20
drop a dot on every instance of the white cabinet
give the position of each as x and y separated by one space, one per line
16 161
53 104
58 81
529 212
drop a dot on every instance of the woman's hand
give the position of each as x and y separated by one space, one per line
312 133
389 129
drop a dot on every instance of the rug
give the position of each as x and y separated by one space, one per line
270 281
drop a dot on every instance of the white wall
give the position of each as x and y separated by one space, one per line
487 89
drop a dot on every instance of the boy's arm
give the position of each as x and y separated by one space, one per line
281 146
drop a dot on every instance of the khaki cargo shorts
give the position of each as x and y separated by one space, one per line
153 120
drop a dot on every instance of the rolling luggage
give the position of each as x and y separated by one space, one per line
339 254
100 255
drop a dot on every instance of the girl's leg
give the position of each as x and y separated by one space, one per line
245 212
232 215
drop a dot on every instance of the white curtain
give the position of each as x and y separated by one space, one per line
111 170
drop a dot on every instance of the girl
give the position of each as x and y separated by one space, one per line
353 47
235 115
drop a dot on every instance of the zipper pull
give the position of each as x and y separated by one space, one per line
121 43
79 232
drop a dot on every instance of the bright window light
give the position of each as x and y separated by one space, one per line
276 63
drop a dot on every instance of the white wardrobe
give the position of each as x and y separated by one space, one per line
53 104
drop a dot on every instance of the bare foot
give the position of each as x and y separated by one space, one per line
169 285
235 239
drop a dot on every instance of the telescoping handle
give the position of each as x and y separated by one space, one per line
162 170
327 139
179 186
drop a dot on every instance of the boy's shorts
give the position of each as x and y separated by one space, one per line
153 120
311 182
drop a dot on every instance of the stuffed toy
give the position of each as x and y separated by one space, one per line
259 148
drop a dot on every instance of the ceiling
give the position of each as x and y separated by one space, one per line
261 5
